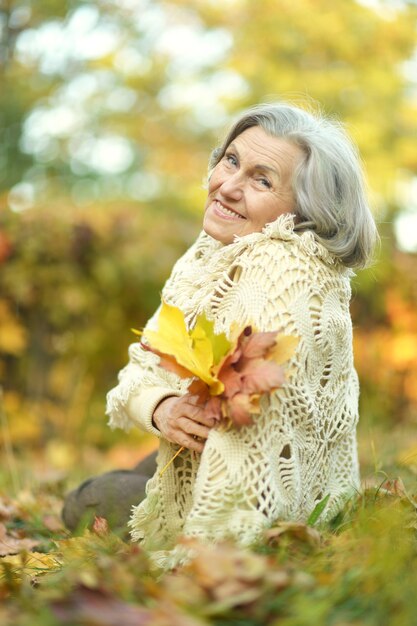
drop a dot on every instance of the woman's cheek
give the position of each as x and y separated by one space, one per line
214 182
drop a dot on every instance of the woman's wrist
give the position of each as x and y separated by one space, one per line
155 415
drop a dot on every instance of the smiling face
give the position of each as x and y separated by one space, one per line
251 185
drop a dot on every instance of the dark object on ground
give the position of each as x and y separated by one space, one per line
110 495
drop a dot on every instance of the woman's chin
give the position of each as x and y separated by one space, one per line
218 231
218 236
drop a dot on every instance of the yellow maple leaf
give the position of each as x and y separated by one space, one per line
197 350
284 348
220 344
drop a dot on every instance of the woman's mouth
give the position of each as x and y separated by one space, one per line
225 211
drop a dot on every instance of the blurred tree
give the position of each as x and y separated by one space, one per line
108 111
20 88
347 57
72 285
104 96
84 88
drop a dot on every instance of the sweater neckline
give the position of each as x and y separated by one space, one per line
283 228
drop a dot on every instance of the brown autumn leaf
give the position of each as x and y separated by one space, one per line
395 487
248 369
100 526
229 575
239 409
183 590
93 606
8 509
260 376
200 389
216 565
293 530
247 373
13 545
257 345
99 607
232 380
53 523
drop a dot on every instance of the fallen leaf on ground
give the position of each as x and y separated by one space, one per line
295 530
95 606
8 509
29 563
100 526
227 576
53 523
92 606
13 545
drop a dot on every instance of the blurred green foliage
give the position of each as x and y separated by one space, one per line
108 113
73 284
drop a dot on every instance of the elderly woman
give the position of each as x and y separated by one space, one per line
285 221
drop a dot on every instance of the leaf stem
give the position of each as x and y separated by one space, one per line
171 460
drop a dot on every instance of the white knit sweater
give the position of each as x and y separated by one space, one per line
302 446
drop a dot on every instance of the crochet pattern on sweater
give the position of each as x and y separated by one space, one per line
302 447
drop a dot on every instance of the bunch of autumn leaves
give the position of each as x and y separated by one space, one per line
229 375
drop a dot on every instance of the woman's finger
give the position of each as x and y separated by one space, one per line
191 427
188 442
197 414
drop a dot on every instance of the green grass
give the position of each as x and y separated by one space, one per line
358 570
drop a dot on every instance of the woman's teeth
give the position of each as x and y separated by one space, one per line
223 209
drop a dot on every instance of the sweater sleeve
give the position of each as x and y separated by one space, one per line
142 383
301 447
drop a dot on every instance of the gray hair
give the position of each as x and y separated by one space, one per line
328 184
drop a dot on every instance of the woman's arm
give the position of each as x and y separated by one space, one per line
147 394
286 462
143 385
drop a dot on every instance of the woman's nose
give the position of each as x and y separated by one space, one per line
232 186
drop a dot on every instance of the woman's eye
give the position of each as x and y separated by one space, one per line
230 158
265 183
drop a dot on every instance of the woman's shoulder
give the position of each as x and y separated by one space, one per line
277 248
280 246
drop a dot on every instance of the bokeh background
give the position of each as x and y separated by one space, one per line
108 113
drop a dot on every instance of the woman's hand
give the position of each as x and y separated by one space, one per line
181 419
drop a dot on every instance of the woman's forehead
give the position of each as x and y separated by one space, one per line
263 149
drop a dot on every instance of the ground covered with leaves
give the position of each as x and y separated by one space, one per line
359 569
